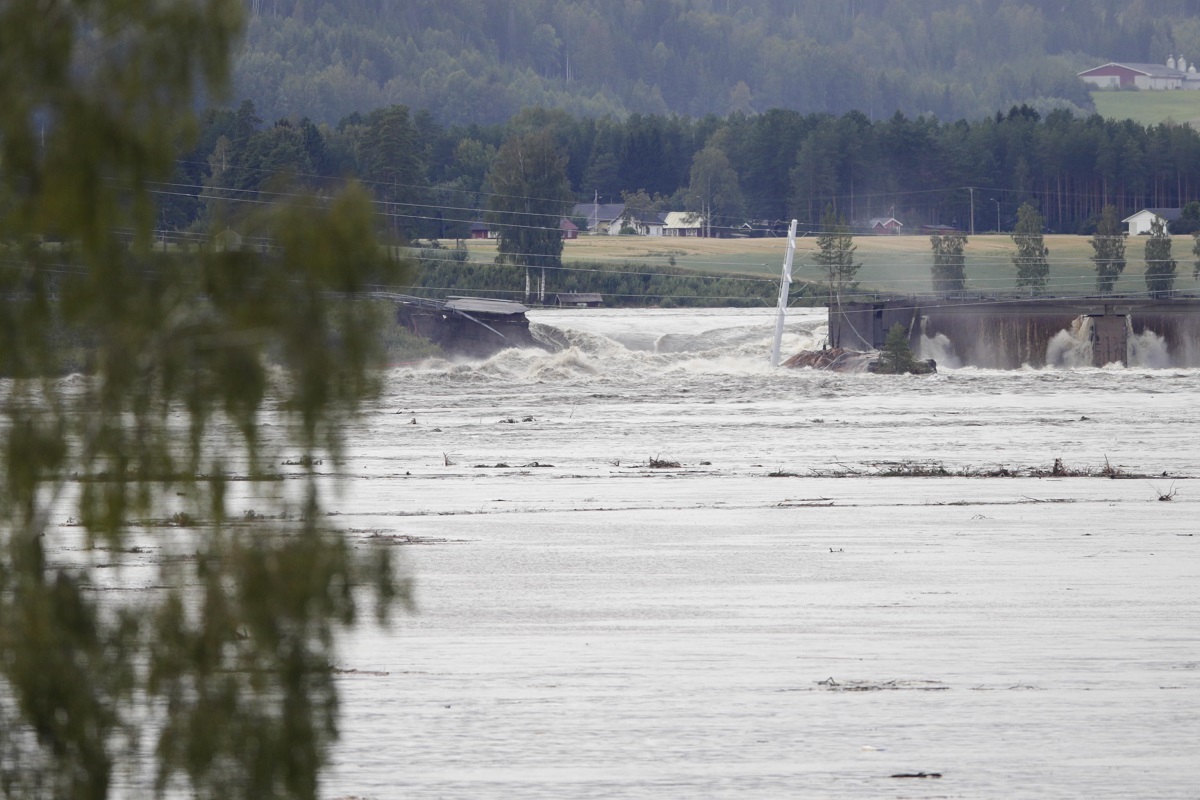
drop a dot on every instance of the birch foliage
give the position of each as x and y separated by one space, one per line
134 385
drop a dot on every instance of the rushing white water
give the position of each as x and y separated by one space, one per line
591 626
940 349
1072 348
1147 349
775 616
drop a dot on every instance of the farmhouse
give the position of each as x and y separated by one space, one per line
639 222
1139 223
599 216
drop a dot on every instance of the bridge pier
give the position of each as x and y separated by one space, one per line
1110 338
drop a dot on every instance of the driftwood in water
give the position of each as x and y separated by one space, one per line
839 359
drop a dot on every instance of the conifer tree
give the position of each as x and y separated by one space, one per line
896 357
835 254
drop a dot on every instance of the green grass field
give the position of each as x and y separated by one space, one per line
890 263
1149 108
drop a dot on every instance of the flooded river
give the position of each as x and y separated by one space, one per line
845 579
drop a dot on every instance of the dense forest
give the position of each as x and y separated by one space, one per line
479 61
432 181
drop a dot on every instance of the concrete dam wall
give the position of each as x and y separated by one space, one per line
1010 333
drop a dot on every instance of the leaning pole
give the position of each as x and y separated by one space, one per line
785 285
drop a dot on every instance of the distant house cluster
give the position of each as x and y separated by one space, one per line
1175 74
612 219
615 218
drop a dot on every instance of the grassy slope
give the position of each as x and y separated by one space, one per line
1149 108
890 263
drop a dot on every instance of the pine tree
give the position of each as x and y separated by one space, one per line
835 253
1109 246
896 357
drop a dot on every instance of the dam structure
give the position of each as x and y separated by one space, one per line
1012 332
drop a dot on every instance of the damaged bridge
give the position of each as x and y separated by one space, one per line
1006 333
472 326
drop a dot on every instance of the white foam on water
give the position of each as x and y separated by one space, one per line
940 349
593 627
1147 349
1071 348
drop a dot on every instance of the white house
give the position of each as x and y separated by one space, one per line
1140 222
683 223
600 216
640 222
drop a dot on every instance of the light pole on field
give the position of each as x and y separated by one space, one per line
997 202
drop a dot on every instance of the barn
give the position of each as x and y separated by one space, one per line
1114 75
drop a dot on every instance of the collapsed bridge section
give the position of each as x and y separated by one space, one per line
471 326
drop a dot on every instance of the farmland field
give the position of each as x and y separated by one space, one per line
1149 108
890 263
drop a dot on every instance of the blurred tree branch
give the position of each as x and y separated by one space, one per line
133 384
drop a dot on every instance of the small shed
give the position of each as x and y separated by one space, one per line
480 230
569 229
579 300
1140 222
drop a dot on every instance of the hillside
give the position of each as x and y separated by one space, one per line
472 61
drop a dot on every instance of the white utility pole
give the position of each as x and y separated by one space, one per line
971 189
785 285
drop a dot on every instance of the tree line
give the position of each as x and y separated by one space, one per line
741 171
